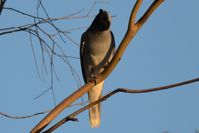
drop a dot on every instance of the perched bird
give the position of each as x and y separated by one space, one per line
96 51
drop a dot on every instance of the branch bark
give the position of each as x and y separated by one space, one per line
123 90
133 28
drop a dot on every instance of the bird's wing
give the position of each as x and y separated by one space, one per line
82 52
112 43
111 50
108 56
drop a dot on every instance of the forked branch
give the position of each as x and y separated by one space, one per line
133 28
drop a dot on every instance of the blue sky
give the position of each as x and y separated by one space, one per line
163 52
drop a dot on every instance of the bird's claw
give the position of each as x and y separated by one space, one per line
106 64
93 78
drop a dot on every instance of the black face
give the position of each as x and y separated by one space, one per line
101 21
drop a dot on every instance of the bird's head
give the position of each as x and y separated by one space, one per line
102 21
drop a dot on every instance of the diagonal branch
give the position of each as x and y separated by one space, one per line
149 11
134 13
2 2
123 90
131 32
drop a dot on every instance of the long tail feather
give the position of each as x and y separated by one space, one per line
94 112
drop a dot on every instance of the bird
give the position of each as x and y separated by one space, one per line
97 47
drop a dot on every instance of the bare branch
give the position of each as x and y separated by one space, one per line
39 113
2 2
99 78
34 55
22 13
41 21
47 41
123 90
134 12
23 117
147 14
93 5
131 32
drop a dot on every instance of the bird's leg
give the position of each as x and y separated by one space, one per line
92 75
106 64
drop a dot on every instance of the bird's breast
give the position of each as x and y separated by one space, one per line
99 43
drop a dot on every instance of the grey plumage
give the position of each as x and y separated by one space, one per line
96 50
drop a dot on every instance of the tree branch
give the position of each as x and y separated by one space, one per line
2 2
102 76
41 21
149 11
134 14
123 90
131 32
23 117
38 113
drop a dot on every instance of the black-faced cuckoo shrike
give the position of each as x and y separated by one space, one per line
96 50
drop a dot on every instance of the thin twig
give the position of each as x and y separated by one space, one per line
49 21
23 117
39 113
93 5
52 74
34 55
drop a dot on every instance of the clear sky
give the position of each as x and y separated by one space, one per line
165 51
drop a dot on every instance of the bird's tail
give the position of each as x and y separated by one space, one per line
94 112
